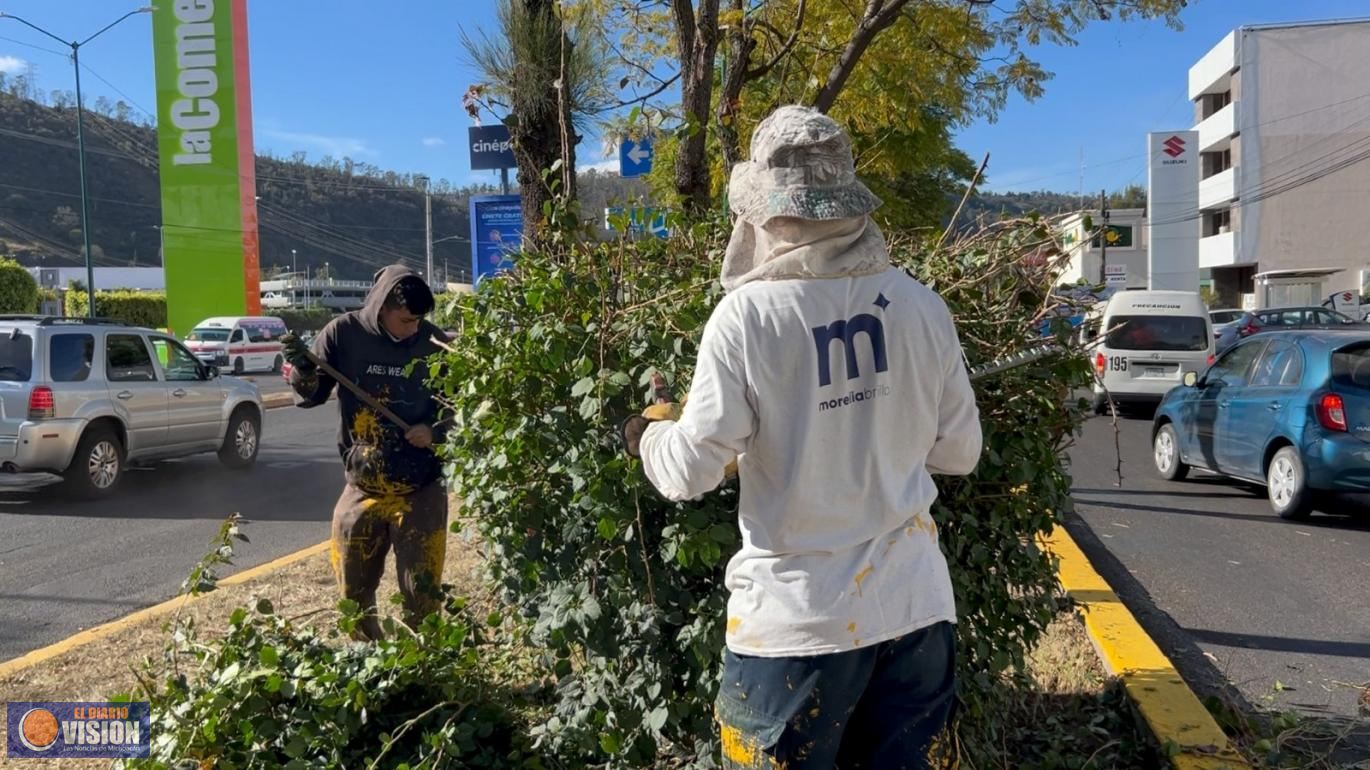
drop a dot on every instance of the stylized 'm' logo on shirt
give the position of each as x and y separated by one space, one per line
846 332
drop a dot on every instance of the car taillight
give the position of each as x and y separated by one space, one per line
1211 359
1249 328
42 405
1099 364
1332 412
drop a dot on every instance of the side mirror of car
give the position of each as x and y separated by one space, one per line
211 372
1191 379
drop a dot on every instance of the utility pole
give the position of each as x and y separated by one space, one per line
1103 238
427 229
294 279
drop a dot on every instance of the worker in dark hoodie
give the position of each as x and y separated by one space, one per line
393 495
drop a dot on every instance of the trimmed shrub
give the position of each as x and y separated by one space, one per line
18 288
139 308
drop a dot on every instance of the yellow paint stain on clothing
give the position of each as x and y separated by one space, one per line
861 577
435 553
856 642
737 748
734 624
908 531
851 628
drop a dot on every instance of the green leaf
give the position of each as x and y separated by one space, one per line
657 718
609 743
583 386
607 528
268 656
265 607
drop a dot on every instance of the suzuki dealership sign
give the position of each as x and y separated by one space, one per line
204 136
1172 210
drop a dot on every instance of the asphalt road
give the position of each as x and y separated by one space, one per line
1280 610
66 565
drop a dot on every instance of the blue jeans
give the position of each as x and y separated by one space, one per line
873 708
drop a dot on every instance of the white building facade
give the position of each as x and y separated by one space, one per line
1283 118
1116 256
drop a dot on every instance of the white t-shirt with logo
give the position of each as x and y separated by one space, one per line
841 396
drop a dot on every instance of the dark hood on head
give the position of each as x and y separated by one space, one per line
387 278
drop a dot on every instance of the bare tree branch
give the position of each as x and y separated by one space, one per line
879 15
785 49
665 84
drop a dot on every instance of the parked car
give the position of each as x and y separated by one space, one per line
83 398
1285 319
1290 411
240 343
1224 316
1151 340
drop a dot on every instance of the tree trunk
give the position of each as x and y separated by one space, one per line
698 43
739 54
535 131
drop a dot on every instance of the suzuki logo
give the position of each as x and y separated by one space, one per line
1174 147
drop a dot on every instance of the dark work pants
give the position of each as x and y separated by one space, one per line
365 527
875 708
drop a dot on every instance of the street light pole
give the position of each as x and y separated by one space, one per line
75 47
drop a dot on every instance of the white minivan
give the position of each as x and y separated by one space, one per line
1150 340
239 343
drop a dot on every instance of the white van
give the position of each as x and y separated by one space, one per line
1150 340
239 343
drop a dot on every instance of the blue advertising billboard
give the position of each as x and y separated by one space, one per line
496 233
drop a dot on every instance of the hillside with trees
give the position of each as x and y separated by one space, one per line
353 215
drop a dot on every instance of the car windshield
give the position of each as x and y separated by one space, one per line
208 335
1351 367
1225 316
16 356
1157 332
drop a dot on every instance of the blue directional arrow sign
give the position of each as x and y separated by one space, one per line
634 157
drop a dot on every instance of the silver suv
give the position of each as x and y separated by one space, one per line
83 398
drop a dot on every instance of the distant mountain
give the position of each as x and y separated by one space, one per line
351 214
994 206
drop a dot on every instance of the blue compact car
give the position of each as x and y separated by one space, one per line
1290 410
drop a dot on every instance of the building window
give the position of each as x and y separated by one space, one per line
1214 102
1217 222
1216 162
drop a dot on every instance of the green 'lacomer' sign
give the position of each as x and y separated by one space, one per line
204 133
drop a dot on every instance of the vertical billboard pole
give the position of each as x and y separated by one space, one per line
204 117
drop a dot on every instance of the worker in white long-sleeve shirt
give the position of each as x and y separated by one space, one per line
837 384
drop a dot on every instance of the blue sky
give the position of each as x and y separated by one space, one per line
384 85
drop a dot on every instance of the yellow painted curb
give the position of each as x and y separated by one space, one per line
1171 710
82 638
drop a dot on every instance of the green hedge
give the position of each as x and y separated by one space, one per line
308 320
18 289
139 308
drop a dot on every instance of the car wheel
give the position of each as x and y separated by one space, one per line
98 465
243 439
1286 485
238 366
1166 454
277 364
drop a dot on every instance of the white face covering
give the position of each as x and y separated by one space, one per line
787 248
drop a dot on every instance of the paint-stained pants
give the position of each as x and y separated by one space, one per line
365 527
875 708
